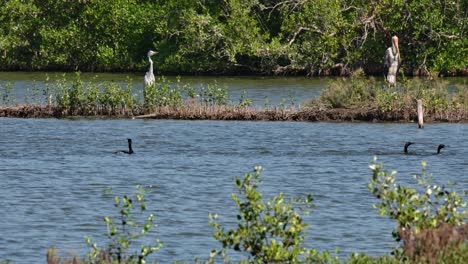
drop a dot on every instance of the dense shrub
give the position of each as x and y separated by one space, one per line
270 231
363 92
431 219
316 37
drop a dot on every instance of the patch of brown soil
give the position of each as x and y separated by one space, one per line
27 111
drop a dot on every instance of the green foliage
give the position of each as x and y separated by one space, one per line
416 209
427 216
213 94
161 93
244 100
6 93
361 92
76 97
345 93
366 259
76 94
124 232
316 37
270 231
62 97
71 96
455 254
115 98
460 99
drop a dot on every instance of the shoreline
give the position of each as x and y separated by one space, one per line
196 111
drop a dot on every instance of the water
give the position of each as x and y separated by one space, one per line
55 176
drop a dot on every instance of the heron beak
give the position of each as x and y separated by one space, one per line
395 40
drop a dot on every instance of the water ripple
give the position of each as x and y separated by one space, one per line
56 177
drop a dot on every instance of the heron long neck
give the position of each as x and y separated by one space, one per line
151 64
395 50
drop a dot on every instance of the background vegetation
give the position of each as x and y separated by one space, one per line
306 37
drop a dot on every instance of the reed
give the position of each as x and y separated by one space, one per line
193 110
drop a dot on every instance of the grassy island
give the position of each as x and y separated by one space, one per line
357 98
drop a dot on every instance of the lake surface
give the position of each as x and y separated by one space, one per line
56 175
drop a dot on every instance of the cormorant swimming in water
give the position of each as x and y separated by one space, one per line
441 146
407 144
129 151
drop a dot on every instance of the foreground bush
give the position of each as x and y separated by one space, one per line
270 231
124 232
431 220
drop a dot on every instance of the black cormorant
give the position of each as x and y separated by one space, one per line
129 151
441 146
407 144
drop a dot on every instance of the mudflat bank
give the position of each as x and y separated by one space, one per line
196 111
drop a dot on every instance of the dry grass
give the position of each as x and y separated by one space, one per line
428 245
103 257
198 111
53 258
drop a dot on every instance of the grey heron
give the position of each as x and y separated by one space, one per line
149 76
392 61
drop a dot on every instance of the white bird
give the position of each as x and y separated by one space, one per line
392 61
149 76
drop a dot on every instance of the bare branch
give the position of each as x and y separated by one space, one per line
284 4
301 29
298 31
